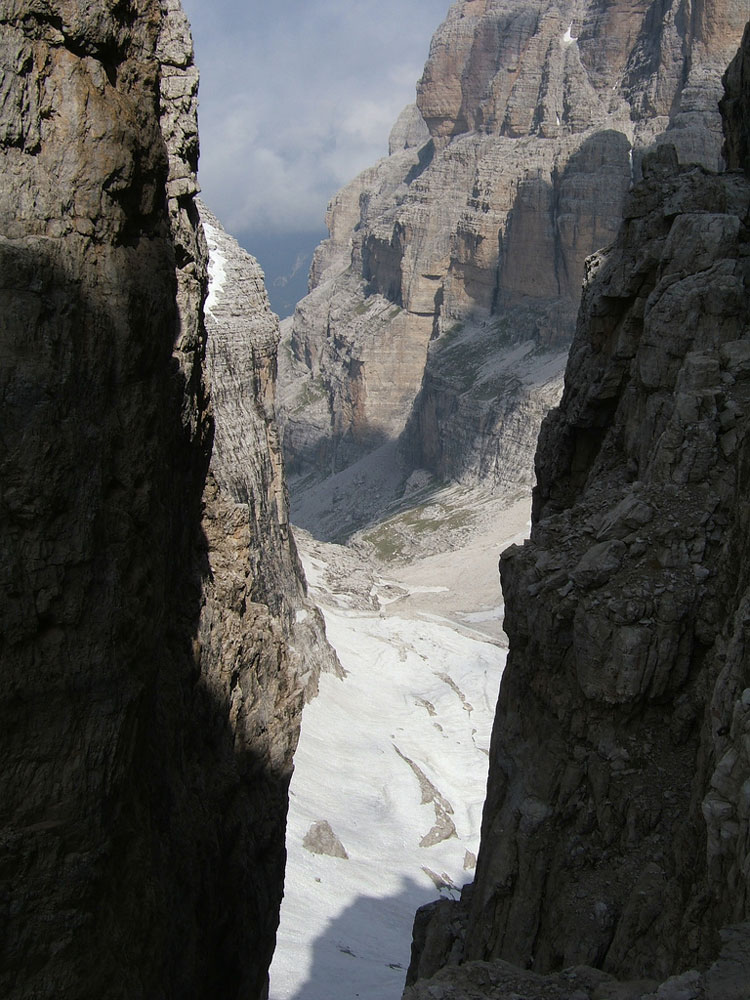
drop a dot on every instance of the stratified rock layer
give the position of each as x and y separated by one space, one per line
246 463
150 703
616 830
537 115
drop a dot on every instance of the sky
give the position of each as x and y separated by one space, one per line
296 98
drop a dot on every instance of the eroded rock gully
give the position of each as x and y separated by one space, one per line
616 832
151 697
443 304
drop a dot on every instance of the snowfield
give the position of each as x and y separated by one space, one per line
414 692
393 759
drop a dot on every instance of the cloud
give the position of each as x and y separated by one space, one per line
297 97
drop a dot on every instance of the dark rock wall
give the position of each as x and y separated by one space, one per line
616 829
148 710
734 111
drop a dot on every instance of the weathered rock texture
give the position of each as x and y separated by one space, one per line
149 703
246 462
456 252
616 830
725 979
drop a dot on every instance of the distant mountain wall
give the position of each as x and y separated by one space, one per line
444 300
155 640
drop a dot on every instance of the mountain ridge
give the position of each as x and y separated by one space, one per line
538 115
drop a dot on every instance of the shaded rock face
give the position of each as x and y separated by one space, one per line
537 116
615 832
734 105
150 703
725 979
621 842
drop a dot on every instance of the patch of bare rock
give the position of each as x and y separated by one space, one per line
320 839
726 979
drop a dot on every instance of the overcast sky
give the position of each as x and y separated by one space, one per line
298 96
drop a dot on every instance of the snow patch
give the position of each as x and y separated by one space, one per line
393 758
567 38
217 272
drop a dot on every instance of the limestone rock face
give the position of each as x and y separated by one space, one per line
615 832
246 462
538 115
629 663
150 702
409 131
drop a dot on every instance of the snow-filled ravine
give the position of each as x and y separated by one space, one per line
389 783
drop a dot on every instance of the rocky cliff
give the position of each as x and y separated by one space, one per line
443 303
616 829
150 699
246 468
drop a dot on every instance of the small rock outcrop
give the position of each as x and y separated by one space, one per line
151 696
321 839
616 832
444 301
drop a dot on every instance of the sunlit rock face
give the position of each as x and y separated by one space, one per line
246 462
615 832
538 115
150 699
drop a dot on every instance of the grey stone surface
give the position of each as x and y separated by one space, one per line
620 622
321 839
150 703
246 461
410 131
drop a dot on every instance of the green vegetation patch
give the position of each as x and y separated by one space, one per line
387 548
462 361
312 391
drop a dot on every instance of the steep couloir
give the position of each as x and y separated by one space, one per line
443 303
150 696
616 832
